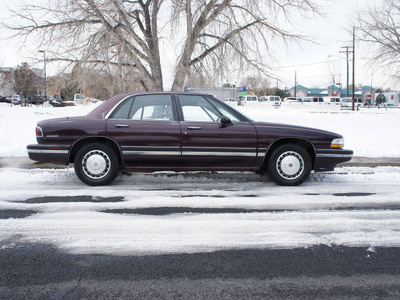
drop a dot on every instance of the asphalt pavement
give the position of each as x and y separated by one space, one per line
38 271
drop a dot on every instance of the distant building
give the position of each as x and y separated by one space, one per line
6 82
366 93
221 93
391 98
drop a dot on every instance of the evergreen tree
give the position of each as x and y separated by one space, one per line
25 81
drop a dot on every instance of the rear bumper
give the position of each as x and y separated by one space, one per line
56 154
328 159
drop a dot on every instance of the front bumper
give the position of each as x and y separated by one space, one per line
56 154
328 159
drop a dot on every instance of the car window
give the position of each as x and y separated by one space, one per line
197 109
225 111
152 107
122 111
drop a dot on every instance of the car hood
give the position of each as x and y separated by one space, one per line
294 130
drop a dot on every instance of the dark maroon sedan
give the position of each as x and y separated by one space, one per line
181 132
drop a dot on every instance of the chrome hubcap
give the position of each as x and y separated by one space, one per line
290 165
96 164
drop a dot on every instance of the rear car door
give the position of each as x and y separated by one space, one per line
147 129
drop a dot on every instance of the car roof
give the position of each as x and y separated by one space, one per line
100 111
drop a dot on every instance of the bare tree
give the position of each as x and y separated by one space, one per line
25 81
257 84
379 27
117 34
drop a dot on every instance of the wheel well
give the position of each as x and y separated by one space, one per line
300 142
90 140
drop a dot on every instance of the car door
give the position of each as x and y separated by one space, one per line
207 143
147 129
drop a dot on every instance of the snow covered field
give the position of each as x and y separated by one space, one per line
199 212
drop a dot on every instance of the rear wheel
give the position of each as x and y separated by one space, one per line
289 165
96 164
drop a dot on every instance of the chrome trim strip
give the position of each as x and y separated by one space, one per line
335 155
152 152
47 151
219 149
221 153
189 151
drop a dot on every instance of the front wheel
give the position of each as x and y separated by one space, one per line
289 165
96 164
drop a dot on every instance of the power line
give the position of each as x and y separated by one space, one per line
310 64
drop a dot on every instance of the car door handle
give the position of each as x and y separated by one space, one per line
194 127
121 125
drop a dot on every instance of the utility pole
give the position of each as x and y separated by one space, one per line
45 75
295 84
354 66
347 51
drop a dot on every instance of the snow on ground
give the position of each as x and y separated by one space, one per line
369 132
18 124
352 207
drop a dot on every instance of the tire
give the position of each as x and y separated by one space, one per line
289 165
96 164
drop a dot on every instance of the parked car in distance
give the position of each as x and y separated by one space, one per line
16 99
35 99
182 132
4 99
334 100
348 102
270 99
291 99
79 98
317 99
248 99
59 102
231 100
274 100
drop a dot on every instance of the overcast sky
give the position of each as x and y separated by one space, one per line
315 63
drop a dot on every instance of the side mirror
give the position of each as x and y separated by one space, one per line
225 121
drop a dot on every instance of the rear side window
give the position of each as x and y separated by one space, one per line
122 111
145 107
152 107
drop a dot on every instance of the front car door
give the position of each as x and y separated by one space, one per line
147 129
206 143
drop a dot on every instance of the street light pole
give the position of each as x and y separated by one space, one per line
45 75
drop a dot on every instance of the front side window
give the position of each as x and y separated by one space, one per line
197 109
225 111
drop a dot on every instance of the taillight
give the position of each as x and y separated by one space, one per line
39 131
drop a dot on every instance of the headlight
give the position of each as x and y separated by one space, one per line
337 143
